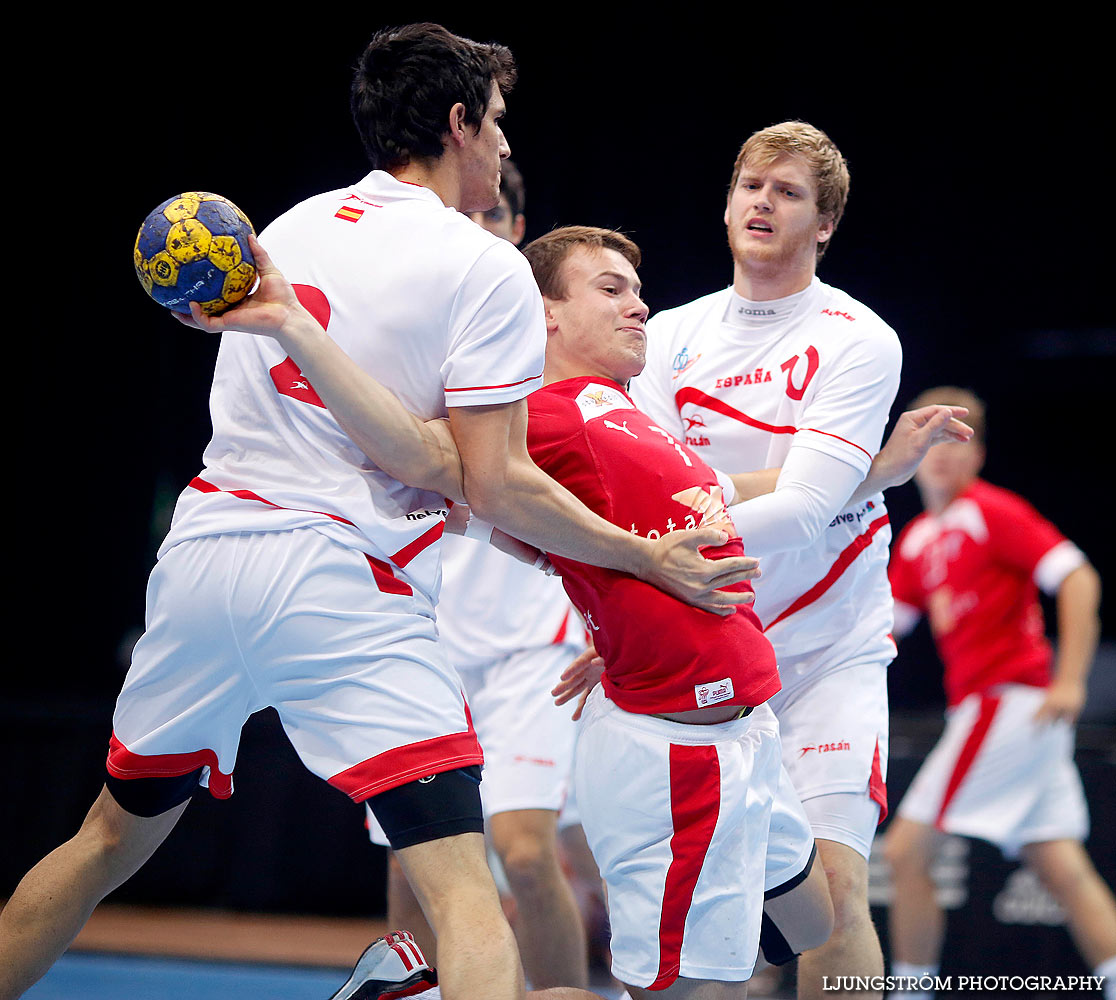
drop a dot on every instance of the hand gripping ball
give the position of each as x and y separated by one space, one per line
194 248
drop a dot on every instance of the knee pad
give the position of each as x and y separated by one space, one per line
439 805
152 796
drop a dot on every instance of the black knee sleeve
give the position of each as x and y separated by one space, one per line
152 796
775 948
439 805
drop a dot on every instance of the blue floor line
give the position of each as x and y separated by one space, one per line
126 977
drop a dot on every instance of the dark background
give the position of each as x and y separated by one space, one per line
978 226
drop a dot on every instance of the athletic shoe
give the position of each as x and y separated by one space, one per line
392 966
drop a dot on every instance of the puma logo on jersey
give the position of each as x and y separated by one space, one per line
713 694
624 429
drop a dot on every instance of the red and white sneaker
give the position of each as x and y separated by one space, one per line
392 966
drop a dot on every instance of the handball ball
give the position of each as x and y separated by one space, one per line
194 248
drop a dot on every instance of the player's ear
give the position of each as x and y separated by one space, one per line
456 125
550 314
825 228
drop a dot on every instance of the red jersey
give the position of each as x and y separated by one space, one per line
972 570
661 655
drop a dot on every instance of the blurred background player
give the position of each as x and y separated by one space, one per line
783 371
510 631
1003 770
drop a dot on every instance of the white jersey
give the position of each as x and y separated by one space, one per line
492 605
744 382
438 310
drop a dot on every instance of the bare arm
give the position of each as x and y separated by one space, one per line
1077 605
753 484
504 486
489 468
915 433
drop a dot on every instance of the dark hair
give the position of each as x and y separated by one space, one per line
548 253
511 187
407 80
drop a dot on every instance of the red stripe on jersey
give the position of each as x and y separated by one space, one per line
202 486
400 765
427 538
877 787
699 398
842 563
386 579
695 802
696 396
123 763
506 385
988 706
561 633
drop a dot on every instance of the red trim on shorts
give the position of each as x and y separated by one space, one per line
124 764
506 385
695 802
988 706
399 765
202 486
842 563
386 579
877 787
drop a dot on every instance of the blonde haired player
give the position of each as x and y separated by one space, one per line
781 370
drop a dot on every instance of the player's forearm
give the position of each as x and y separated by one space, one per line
749 485
1077 606
417 453
529 505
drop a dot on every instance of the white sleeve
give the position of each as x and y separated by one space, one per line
811 490
848 413
497 332
1056 565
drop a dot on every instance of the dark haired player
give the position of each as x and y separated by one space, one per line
300 575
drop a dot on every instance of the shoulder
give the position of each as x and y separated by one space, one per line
851 318
998 502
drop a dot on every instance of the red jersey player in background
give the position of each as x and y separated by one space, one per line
1003 770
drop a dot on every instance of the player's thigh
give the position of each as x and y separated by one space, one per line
910 845
797 918
450 875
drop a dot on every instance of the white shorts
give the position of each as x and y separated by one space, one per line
790 841
528 741
677 819
341 646
834 729
997 775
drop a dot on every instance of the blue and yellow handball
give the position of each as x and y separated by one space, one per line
194 248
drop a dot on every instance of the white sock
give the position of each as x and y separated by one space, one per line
908 970
1107 968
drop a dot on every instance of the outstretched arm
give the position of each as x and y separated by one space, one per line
916 432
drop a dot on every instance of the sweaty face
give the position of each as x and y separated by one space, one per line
597 329
480 184
772 215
